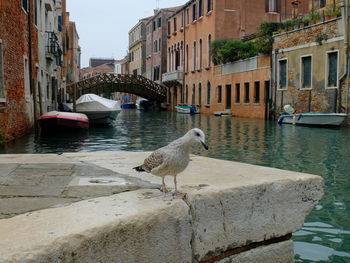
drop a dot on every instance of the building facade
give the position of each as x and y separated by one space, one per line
137 48
156 44
31 62
310 71
18 60
191 75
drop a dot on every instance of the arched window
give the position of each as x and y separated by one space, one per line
194 56
186 95
186 59
194 94
208 92
199 93
208 51
200 54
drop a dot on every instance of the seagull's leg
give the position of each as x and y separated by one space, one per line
164 189
177 194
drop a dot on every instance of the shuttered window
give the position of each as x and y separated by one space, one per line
282 82
208 93
332 66
238 93
25 5
306 73
246 92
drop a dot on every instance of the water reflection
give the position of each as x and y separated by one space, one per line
326 152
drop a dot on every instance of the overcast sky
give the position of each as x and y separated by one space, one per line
103 25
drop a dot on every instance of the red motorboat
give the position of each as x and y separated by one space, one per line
63 120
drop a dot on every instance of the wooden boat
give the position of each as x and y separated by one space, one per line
187 109
57 120
100 111
313 118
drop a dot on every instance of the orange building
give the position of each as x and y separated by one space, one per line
191 76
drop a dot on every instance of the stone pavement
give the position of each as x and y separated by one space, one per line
29 183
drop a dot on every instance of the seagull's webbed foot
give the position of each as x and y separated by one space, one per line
179 195
164 189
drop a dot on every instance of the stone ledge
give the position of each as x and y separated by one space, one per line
225 209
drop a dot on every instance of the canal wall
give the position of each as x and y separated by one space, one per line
233 212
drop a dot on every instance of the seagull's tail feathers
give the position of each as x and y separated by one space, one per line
139 168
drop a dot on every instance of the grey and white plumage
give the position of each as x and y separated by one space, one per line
173 158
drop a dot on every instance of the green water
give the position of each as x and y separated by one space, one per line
325 236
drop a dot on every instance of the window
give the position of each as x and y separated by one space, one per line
208 51
219 94
154 25
271 5
169 29
36 12
182 19
186 95
194 12
187 16
209 5
175 24
186 57
2 83
208 92
200 8
199 93
200 54
332 69
159 22
25 5
282 74
194 56
257 92
238 93
322 3
156 73
246 92
59 23
194 94
306 72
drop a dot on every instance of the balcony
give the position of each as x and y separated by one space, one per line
173 78
53 48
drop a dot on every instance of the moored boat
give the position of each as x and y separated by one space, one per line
56 120
100 111
187 109
313 118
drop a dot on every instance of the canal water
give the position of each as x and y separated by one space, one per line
325 236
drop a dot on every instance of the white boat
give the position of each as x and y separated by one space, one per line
142 104
313 118
99 110
187 109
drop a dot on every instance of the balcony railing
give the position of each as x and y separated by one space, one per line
53 48
173 77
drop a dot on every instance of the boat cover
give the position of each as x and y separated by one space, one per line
61 114
93 103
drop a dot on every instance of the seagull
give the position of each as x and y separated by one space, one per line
173 158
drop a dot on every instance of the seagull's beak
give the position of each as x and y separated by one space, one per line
205 145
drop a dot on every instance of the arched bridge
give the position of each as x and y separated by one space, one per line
110 82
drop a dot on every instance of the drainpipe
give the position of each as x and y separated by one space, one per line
344 6
31 82
185 61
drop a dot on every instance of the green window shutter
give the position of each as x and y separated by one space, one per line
332 69
306 72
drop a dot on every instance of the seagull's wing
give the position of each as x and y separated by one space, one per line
153 161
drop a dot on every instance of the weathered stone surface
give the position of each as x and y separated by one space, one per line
129 227
275 253
247 203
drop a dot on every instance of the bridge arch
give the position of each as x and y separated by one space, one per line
110 82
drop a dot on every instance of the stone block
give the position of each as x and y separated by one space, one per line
130 227
275 253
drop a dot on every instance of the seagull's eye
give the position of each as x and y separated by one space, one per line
198 134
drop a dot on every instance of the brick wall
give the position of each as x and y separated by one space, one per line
15 113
